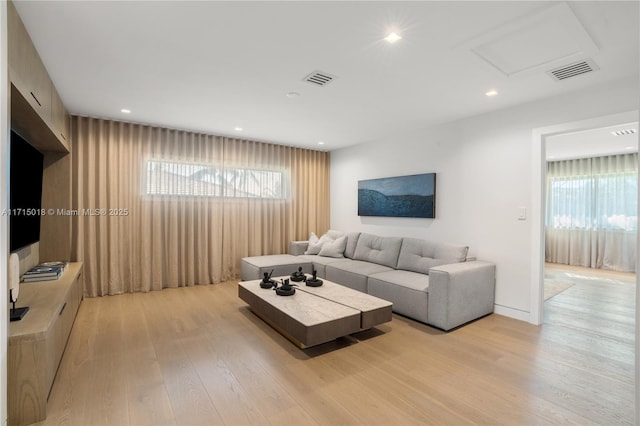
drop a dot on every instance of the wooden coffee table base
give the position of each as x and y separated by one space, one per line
313 317
309 339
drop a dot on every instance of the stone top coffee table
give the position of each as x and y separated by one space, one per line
315 315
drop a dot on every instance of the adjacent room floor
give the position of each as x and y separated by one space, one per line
198 356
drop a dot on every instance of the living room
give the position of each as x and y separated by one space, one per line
487 151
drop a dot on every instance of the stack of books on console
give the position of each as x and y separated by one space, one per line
45 271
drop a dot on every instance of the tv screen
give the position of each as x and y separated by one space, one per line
25 193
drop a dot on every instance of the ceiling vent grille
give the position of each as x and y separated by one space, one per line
623 132
573 70
319 78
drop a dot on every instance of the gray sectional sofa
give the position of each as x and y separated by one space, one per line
431 282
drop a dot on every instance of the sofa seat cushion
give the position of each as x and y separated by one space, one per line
408 291
419 255
253 268
320 262
381 250
353 273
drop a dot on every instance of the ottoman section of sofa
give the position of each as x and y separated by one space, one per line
406 290
253 268
353 273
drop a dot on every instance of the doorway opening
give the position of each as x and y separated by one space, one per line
540 148
591 213
539 137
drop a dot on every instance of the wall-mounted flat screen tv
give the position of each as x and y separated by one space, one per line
401 196
25 193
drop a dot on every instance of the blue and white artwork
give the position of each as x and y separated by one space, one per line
401 196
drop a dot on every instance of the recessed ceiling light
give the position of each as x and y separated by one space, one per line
629 147
320 143
238 129
492 92
392 38
125 111
293 95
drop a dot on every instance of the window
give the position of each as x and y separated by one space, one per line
595 200
203 180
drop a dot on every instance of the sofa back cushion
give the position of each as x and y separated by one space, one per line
420 255
381 250
352 240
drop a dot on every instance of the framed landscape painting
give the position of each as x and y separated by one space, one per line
401 196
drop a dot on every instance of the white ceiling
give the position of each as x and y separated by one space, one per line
213 66
592 143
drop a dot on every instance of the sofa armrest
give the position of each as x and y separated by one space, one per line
297 248
460 292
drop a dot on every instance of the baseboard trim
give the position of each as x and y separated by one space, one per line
512 313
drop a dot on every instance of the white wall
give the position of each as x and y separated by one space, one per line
4 241
484 175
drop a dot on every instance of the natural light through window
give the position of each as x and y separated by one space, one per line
171 178
607 201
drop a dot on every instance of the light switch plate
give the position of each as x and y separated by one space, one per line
522 213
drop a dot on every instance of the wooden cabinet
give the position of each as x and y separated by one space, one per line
35 84
55 230
37 343
59 118
20 47
39 115
29 76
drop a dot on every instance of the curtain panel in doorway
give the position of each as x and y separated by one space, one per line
167 208
591 217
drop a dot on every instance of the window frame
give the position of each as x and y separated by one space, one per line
222 188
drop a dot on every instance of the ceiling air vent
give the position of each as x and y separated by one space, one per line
572 70
623 132
319 78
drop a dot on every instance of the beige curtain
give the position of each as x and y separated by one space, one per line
130 240
592 212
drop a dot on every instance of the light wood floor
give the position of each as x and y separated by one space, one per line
197 356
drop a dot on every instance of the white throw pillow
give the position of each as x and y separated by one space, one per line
313 238
315 244
334 248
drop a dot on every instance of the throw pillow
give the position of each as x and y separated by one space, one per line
334 248
315 244
313 238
